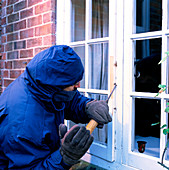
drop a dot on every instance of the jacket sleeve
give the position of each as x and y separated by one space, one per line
75 110
23 154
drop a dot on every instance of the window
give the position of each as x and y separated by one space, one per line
135 33
85 26
145 45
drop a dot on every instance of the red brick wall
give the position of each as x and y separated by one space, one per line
0 48
28 26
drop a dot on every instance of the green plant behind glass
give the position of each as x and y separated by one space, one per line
164 127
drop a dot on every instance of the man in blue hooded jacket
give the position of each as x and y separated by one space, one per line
33 109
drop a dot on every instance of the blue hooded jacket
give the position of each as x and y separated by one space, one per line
33 106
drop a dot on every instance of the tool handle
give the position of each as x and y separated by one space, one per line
91 125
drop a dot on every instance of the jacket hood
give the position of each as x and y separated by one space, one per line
51 70
58 66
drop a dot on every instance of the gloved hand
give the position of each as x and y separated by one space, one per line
62 130
98 110
75 143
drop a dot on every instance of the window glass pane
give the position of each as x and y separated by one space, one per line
78 20
148 15
98 96
80 50
98 66
100 18
100 135
147 70
148 112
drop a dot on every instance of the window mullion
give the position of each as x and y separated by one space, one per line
87 31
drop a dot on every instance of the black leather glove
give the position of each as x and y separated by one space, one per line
98 111
75 144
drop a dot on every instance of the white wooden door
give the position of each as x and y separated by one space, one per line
143 49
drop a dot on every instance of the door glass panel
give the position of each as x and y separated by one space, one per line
80 50
148 15
78 20
147 113
100 19
98 66
100 135
147 70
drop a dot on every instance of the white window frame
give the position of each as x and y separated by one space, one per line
101 155
135 159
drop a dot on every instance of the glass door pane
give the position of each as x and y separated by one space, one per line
100 19
148 15
147 113
147 69
98 66
78 20
89 38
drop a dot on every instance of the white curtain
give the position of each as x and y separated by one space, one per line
98 57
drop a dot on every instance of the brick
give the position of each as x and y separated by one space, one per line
20 25
2 64
9 46
15 73
8 65
2 48
43 7
26 53
12 37
26 33
18 64
35 21
13 17
49 40
3 3
3 39
12 2
33 2
34 42
4 56
10 9
45 29
19 6
26 13
12 55
7 82
4 73
19 44
51 16
3 21
9 28
39 49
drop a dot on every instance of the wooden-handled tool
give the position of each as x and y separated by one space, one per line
93 124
